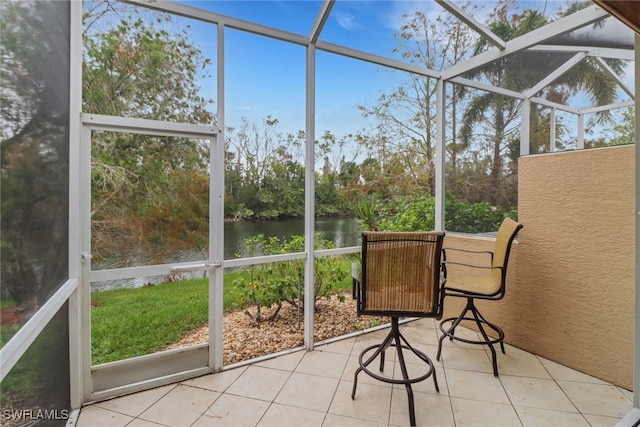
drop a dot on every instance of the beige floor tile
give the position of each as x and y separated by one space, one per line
182 406
259 383
143 423
473 413
323 363
288 416
379 333
363 377
466 359
416 334
600 421
135 404
333 420
234 411
428 349
627 393
371 402
94 416
314 388
534 417
424 322
561 372
430 409
463 333
476 386
217 382
308 392
287 362
365 341
426 385
341 346
597 399
536 393
518 362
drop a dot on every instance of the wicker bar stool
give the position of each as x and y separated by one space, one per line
400 277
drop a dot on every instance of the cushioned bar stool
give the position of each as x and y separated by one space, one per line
400 277
487 286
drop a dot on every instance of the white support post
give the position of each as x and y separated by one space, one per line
636 358
440 154
580 142
632 417
216 217
309 191
84 204
525 128
552 131
76 343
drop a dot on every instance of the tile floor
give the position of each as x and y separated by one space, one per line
314 389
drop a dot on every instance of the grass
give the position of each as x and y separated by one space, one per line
38 379
133 322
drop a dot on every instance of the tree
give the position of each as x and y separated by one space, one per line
493 118
34 112
148 192
407 117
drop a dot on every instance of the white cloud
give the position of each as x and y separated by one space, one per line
346 21
394 19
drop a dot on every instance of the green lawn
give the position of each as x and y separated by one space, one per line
133 322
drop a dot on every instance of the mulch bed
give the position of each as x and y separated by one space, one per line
245 340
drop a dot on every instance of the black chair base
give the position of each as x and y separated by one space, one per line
395 339
481 322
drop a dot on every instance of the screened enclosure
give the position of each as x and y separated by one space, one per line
141 139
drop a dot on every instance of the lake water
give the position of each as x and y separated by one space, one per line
343 232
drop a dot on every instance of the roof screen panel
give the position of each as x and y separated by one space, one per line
358 25
292 15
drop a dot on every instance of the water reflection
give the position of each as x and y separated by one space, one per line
343 232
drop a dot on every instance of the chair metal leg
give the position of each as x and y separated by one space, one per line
481 322
397 340
380 351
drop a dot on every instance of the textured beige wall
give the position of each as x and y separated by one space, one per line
570 294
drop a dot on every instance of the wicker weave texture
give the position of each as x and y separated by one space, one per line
401 272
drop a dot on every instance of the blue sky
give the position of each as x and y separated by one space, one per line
266 77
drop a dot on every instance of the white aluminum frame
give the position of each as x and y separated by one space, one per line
152 370
13 350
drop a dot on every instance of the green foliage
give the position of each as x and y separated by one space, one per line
472 218
269 285
463 217
409 215
34 375
149 193
623 131
367 212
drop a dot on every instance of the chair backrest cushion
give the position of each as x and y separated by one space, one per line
401 273
506 233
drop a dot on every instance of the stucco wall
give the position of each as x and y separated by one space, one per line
570 290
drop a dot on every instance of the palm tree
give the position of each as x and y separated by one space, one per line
498 114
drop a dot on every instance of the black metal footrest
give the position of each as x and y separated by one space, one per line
451 332
364 367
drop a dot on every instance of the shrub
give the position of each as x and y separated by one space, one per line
272 284
419 214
